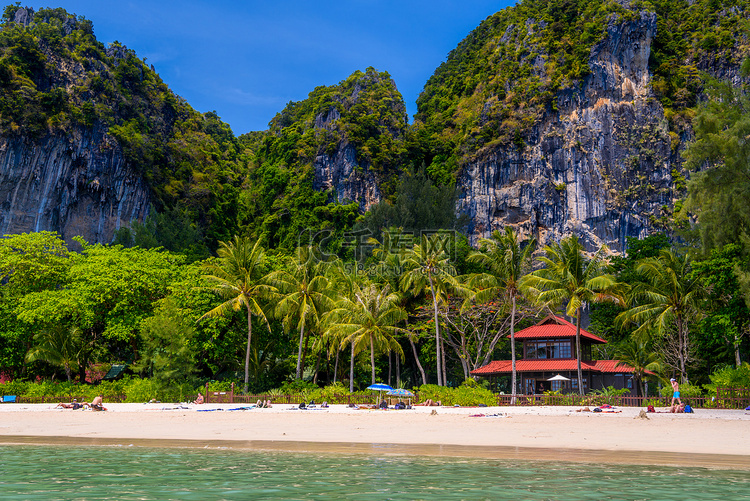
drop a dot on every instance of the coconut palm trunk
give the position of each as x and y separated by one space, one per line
247 350
578 351
298 372
416 358
351 371
438 358
513 376
682 348
336 365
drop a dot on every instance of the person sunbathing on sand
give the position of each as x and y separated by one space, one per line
198 399
73 405
678 408
429 403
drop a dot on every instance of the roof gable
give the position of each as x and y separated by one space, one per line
553 326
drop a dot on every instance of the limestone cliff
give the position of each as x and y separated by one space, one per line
599 166
368 118
340 172
75 184
90 136
568 117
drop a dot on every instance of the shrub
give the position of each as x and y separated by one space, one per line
729 377
686 391
141 390
468 394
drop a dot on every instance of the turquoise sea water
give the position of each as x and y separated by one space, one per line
94 473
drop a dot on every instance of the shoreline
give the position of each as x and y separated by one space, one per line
708 438
596 456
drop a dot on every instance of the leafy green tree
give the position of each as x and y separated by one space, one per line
717 194
669 300
237 277
637 355
602 315
32 262
167 352
727 317
304 296
171 229
418 205
570 278
428 269
109 291
29 262
507 261
368 317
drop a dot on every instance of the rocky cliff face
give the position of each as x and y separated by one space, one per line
75 184
340 171
360 117
599 166
350 182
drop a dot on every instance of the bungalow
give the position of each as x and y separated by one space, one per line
549 350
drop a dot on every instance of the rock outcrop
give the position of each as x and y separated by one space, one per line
75 184
599 166
360 101
350 182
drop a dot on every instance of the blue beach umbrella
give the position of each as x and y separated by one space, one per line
401 392
379 387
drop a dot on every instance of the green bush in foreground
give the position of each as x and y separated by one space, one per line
468 394
129 389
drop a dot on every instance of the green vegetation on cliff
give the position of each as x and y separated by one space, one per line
57 79
280 201
500 80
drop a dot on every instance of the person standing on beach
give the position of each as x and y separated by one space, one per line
676 394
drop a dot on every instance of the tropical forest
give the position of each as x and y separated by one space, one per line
582 158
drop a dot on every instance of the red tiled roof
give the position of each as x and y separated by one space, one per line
611 366
555 327
549 365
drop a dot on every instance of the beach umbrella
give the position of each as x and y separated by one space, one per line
558 378
380 387
401 392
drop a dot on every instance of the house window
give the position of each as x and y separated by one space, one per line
586 352
557 385
548 349
561 349
574 383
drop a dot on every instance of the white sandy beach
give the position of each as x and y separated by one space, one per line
720 436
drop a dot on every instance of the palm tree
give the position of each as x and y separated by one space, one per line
392 259
429 269
669 297
635 354
369 318
507 261
236 276
304 296
60 346
569 277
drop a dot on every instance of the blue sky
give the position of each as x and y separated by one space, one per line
247 59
